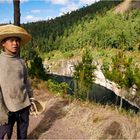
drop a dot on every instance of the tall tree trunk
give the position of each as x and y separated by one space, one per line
16 4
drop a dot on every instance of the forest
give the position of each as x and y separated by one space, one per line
114 37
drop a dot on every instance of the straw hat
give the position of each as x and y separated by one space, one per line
14 31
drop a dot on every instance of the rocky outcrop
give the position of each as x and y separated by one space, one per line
66 68
128 95
61 67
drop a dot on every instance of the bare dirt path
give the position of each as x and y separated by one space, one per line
63 119
51 124
127 5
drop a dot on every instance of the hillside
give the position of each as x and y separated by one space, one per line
49 35
95 25
112 38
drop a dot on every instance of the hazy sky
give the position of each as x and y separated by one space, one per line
34 10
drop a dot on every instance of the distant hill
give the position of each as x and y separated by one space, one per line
94 25
49 35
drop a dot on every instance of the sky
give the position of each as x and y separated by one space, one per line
35 10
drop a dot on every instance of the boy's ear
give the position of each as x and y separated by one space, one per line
1 45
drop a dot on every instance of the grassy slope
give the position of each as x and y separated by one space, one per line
102 31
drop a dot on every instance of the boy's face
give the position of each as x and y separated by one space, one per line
11 45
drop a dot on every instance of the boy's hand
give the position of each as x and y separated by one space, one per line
33 108
36 107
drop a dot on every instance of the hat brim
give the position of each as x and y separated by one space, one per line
25 38
7 31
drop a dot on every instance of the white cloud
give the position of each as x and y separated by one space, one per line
35 11
11 1
31 18
23 1
5 20
70 7
7 1
1 1
59 2
88 1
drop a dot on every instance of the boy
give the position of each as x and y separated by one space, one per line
15 92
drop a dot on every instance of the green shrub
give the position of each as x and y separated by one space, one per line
34 62
122 71
83 75
57 88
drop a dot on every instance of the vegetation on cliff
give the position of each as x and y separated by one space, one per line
96 26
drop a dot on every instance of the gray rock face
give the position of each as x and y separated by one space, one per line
66 68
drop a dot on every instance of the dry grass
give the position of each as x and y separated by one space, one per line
94 120
103 122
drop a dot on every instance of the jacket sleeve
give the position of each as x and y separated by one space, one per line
3 111
29 89
27 83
